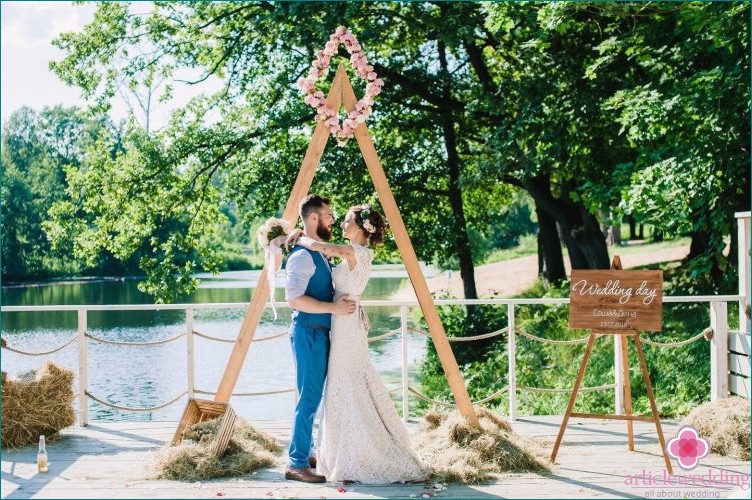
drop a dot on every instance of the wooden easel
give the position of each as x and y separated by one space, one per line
341 93
629 417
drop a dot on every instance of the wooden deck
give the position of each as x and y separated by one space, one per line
111 460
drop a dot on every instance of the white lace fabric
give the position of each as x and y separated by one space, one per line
361 437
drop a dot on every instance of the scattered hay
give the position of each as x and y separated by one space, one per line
725 423
459 452
193 459
38 403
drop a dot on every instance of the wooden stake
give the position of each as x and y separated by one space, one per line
573 396
435 327
653 407
616 265
627 391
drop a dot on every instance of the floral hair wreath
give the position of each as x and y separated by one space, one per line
317 99
365 215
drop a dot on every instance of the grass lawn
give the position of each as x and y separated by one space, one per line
529 246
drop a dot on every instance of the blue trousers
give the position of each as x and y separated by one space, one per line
310 350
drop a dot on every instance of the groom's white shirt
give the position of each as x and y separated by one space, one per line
300 268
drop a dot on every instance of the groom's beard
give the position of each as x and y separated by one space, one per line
323 232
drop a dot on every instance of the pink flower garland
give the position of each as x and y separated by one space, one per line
317 99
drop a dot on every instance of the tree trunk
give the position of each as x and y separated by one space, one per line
461 238
579 229
550 256
699 248
632 227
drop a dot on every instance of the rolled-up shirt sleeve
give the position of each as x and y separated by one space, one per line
300 268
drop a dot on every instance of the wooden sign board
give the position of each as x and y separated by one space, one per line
616 300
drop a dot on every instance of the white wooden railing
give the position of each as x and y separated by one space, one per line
719 351
729 350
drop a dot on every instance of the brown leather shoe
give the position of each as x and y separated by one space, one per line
312 462
304 474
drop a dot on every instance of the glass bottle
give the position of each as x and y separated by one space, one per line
42 456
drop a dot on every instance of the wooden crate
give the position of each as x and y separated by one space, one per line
201 410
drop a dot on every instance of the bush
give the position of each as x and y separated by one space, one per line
680 376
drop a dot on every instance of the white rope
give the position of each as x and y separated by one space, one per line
232 341
144 343
464 339
383 336
45 353
707 333
444 403
550 341
581 389
250 394
136 408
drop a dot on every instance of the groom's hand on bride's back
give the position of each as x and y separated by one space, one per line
343 306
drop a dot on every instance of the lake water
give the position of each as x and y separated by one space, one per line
142 376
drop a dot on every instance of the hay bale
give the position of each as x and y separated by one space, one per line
194 460
460 452
39 403
725 423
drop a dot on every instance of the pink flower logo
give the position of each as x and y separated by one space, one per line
688 447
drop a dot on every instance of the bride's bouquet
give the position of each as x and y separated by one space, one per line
271 229
267 233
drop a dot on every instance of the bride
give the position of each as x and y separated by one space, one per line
361 437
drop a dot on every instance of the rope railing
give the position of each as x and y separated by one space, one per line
504 389
706 333
488 398
566 391
384 335
550 341
463 339
232 341
41 353
136 408
135 343
249 394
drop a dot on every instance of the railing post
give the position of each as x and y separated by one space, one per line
745 268
512 348
719 374
405 392
191 365
83 377
618 377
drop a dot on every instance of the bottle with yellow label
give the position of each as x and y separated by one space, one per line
42 456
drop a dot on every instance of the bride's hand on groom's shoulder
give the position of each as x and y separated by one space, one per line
293 237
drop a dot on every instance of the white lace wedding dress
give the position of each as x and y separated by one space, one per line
361 436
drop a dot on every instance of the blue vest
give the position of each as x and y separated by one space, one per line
320 287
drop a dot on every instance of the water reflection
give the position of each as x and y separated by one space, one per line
142 376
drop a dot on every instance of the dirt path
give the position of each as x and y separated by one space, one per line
516 275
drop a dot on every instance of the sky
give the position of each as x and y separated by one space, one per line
28 28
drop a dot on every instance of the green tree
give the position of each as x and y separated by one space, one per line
259 50
479 98
36 149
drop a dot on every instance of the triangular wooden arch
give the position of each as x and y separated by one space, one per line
342 93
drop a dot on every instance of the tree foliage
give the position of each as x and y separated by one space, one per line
589 107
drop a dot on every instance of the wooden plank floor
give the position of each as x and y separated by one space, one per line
112 460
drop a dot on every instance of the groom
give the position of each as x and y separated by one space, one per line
309 292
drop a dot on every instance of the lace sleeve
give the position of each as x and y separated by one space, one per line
363 257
